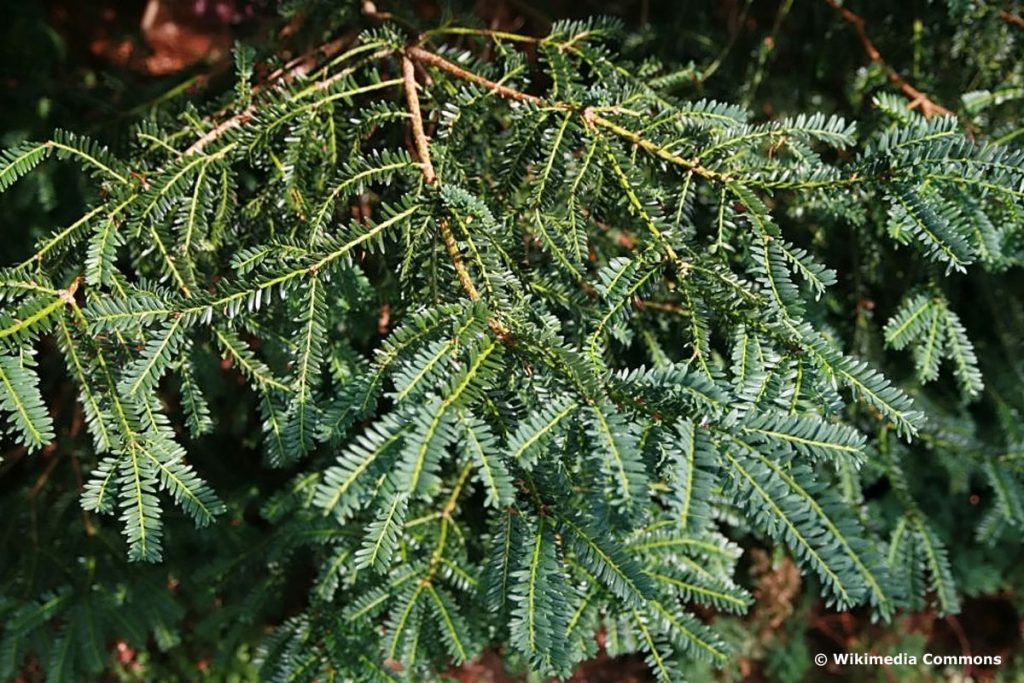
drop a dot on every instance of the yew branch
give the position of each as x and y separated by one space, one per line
428 57
429 175
590 117
297 68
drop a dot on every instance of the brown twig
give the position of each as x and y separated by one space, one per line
239 119
412 99
662 306
54 456
51 450
428 57
917 98
590 117
965 643
1011 18
9 459
296 68
429 175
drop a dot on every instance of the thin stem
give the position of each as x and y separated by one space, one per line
446 516
713 67
917 98
1011 18
590 117
419 136
488 33
1008 137
421 55
430 176
656 149
246 115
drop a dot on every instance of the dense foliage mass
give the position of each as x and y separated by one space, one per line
532 339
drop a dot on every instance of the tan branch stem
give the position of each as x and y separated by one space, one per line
1011 18
917 98
412 99
298 67
428 57
419 136
590 117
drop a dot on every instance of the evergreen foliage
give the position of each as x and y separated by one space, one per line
529 336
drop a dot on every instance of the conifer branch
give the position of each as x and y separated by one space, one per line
427 57
430 176
412 99
588 115
676 377
298 67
